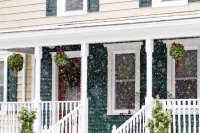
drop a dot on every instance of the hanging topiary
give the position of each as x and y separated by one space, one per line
161 120
15 63
177 52
60 58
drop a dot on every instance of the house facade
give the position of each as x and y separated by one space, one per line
120 51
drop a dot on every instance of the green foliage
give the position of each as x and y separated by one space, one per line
60 58
161 120
26 118
15 62
177 51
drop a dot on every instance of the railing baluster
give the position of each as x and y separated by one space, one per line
194 111
184 121
189 110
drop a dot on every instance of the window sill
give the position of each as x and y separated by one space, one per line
159 4
75 13
119 112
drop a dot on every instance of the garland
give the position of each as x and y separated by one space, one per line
71 74
60 58
177 52
15 63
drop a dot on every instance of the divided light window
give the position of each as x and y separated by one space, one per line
71 7
124 81
186 76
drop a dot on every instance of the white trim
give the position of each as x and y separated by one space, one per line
23 79
114 53
4 57
106 33
70 54
117 48
32 77
61 9
189 44
168 3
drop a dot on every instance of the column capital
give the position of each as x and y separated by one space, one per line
38 52
149 45
84 49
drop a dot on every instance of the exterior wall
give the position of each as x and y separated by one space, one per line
21 14
28 78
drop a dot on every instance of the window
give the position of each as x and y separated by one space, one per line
71 7
186 76
183 81
168 3
3 76
123 78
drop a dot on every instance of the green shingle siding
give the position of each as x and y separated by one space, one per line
160 70
99 121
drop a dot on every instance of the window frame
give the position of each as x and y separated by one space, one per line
4 57
189 44
122 48
61 9
113 77
160 3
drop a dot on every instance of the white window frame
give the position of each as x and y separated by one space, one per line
70 54
160 3
61 9
4 57
189 44
122 48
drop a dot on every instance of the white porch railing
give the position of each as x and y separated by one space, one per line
135 124
8 115
185 115
68 124
54 111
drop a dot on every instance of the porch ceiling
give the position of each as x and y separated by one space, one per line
132 31
21 50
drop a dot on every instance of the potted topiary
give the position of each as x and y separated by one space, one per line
15 63
26 119
161 120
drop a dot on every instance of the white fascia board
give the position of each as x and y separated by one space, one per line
98 34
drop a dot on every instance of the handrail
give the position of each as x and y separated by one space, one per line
127 123
63 119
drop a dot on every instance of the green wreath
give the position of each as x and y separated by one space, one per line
15 63
177 51
60 58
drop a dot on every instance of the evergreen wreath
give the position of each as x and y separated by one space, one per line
177 52
71 74
15 63
60 58
161 120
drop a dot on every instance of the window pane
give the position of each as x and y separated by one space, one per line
72 5
1 72
125 95
1 93
125 66
188 65
186 89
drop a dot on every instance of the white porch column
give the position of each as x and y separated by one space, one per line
149 51
149 98
37 100
84 100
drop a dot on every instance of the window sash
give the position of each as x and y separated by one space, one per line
122 80
186 79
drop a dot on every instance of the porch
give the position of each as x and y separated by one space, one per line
47 115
